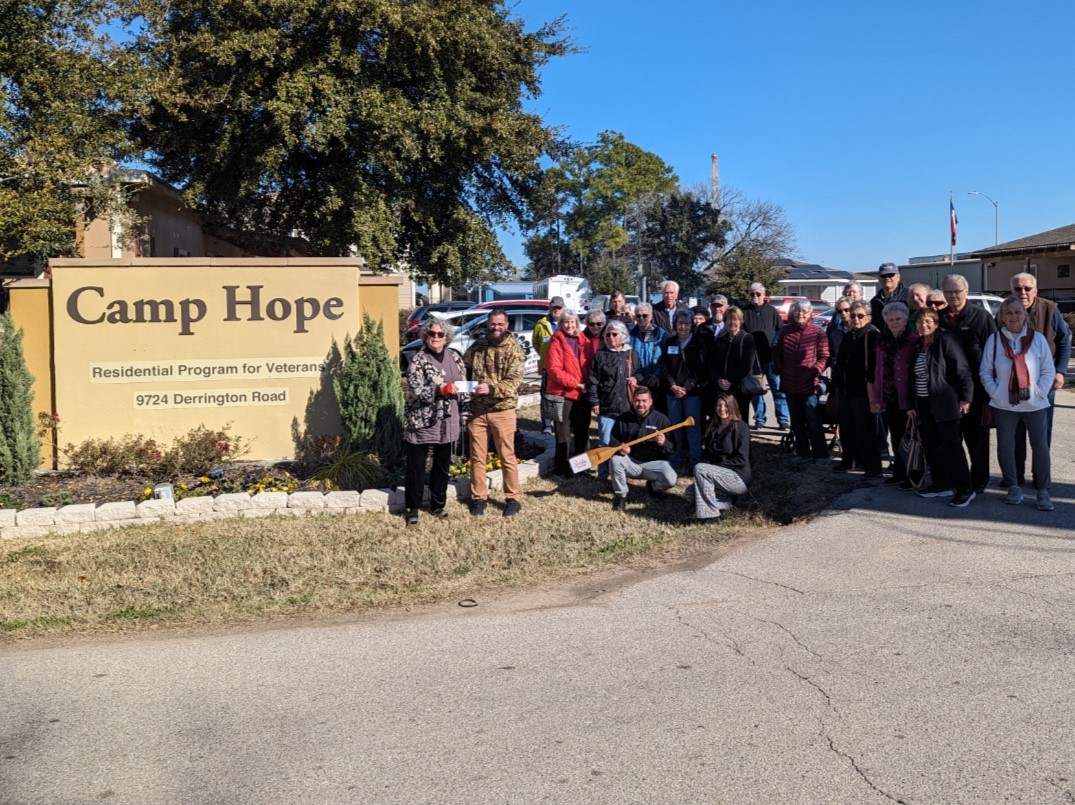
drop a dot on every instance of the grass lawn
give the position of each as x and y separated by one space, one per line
250 572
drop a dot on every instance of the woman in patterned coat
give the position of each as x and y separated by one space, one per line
432 417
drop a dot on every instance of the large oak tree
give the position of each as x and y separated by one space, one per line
393 129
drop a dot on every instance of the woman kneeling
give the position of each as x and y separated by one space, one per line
724 472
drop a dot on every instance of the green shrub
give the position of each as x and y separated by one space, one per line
20 446
369 390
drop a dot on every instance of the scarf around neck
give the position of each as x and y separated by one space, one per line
1019 383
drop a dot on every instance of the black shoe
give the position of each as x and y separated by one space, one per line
512 508
412 517
869 479
619 503
962 499
906 486
841 467
440 514
477 508
978 490
653 491
935 492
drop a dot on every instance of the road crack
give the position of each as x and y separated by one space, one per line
854 764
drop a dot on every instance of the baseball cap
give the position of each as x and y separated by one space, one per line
887 270
556 301
719 299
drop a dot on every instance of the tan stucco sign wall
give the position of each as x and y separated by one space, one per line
159 350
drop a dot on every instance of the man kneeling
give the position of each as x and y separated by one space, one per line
647 460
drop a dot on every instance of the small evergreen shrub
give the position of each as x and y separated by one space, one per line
369 390
20 446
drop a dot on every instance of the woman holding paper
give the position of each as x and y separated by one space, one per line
432 417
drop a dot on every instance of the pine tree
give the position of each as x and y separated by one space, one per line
20 447
370 395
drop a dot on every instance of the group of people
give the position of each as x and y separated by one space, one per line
908 358
929 359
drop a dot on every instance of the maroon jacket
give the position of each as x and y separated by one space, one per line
892 376
800 357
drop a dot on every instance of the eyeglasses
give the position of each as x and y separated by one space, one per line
612 335
936 303
593 324
756 293
843 310
860 315
1021 288
642 315
435 335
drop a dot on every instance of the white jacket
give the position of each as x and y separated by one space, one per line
996 370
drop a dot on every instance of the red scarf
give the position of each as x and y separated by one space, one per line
1019 383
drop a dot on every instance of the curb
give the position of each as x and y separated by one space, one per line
83 518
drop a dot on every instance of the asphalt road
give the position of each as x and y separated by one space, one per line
893 650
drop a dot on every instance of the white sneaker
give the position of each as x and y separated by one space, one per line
1045 503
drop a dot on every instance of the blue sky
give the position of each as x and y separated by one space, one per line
858 118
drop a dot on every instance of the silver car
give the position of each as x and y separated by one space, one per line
521 323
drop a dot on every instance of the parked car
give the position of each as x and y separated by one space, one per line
421 313
542 304
988 301
521 323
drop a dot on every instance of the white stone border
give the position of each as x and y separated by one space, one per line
81 518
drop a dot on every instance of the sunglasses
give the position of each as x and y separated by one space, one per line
843 310
1021 288
936 303
642 315
436 335
593 324
860 315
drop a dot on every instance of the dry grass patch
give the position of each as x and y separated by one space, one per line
251 571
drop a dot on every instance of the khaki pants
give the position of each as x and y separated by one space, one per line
502 425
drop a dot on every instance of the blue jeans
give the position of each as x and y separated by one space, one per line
806 425
604 437
779 399
689 449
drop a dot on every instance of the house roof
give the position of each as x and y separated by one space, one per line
804 272
1060 239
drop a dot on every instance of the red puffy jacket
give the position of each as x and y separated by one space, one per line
566 369
800 357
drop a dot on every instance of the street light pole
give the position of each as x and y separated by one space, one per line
996 214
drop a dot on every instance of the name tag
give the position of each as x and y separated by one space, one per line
673 350
546 339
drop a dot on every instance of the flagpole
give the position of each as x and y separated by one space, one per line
952 227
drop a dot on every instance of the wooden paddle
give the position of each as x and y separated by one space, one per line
599 455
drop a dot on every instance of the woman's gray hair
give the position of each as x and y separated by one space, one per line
862 304
896 307
423 331
846 299
643 307
800 304
685 314
617 326
596 315
567 313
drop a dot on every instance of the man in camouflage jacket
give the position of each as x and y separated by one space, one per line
495 363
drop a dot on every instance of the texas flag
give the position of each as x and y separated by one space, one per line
954 220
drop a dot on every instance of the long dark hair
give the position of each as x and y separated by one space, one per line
734 413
